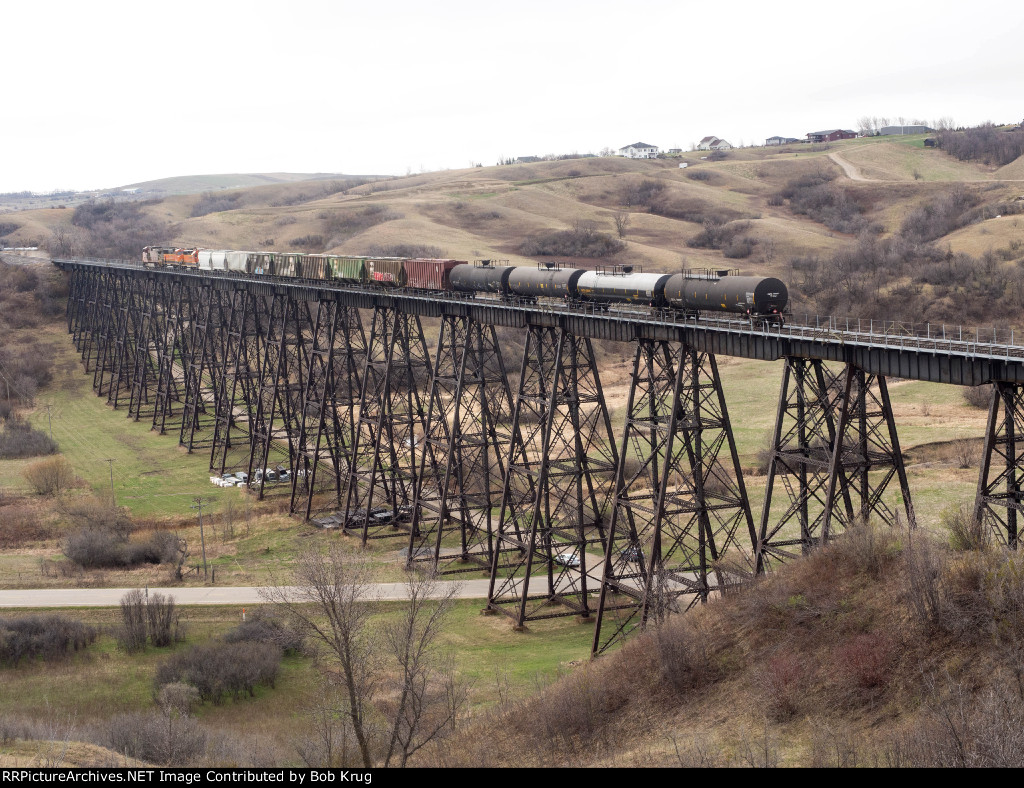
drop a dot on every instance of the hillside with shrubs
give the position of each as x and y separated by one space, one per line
929 234
885 648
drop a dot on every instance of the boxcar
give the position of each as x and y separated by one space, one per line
429 274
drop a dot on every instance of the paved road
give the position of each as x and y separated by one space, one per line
207 595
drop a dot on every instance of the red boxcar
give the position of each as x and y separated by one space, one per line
425 274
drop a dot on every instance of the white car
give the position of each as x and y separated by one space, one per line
567 559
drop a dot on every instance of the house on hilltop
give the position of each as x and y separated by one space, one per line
639 150
780 141
830 135
713 143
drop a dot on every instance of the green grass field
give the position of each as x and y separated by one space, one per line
101 681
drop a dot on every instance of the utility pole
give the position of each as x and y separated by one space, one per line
202 539
49 422
113 500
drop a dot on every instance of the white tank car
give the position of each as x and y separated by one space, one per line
623 288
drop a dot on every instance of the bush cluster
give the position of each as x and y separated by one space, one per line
581 241
219 669
98 547
46 637
309 192
339 225
727 237
816 197
26 300
18 439
155 738
263 627
118 230
20 525
406 250
984 143
148 619
210 202
310 242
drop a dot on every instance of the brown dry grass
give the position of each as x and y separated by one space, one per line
830 661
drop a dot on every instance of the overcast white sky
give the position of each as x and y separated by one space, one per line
106 93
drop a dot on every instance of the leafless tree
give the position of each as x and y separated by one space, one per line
431 697
332 603
621 223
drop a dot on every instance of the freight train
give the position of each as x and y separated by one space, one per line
761 299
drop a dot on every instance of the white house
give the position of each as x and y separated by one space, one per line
720 145
639 150
707 142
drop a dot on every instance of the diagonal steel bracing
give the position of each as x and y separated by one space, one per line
557 484
1000 499
828 481
238 353
462 467
392 422
283 365
679 505
171 351
337 355
201 371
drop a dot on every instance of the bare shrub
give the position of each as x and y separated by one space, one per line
219 669
97 546
963 729
923 583
209 202
19 439
719 235
583 240
779 681
966 532
265 627
406 250
312 242
766 453
131 635
701 175
47 637
162 620
683 656
865 549
169 739
640 193
866 661
20 525
965 453
978 396
50 476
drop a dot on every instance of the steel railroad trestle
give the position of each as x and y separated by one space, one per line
529 484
